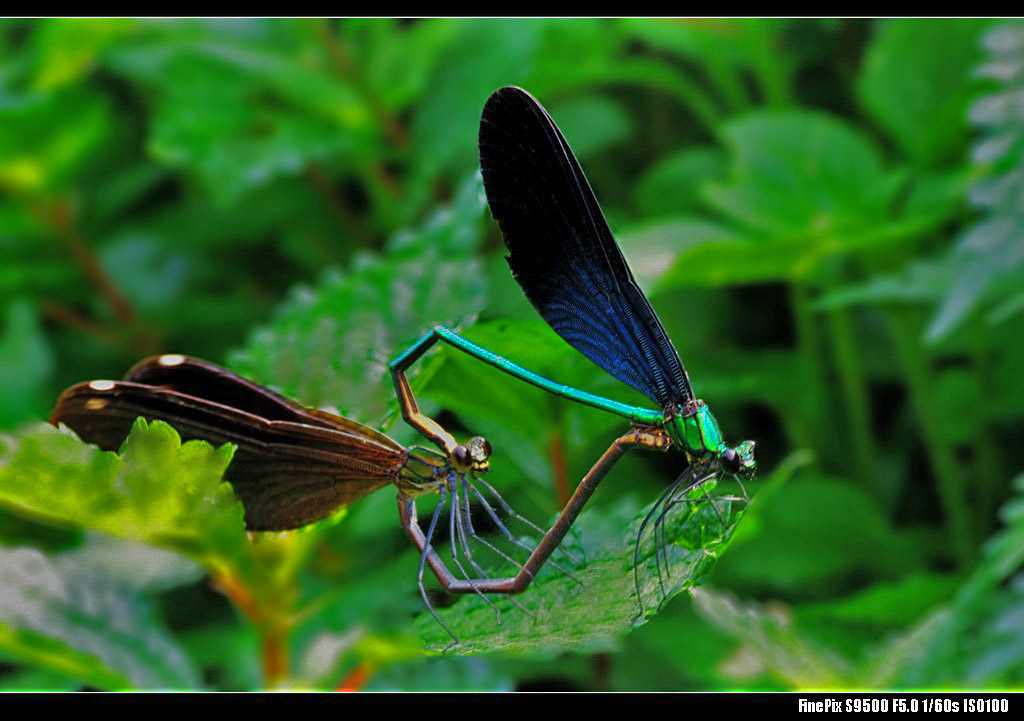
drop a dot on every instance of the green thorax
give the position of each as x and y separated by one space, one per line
695 431
423 469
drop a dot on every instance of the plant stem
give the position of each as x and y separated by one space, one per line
349 69
338 204
906 327
601 663
678 85
989 470
273 632
559 469
770 63
728 84
809 407
62 219
854 388
357 677
74 319
57 213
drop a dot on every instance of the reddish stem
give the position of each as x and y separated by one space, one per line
343 61
61 218
558 466
357 678
273 634
74 319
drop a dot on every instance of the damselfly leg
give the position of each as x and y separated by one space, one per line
459 496
698 476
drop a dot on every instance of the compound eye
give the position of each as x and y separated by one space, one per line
482 446
461 455
730 461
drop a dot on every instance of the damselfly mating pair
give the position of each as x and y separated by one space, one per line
295 465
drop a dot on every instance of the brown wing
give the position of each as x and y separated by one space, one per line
202 379
287 473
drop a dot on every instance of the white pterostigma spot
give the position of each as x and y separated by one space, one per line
171 359
101 385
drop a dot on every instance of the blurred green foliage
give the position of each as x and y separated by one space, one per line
825 213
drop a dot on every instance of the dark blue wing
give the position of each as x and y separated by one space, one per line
563 254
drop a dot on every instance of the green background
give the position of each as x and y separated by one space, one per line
826 215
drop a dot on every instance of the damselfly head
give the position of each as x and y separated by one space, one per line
473 456
739 461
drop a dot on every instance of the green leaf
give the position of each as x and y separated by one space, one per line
140 566
402 61
159 491
922 282
850 536
121 189
642 72
26 365
228 652
67 49
330 345
592 612
989 254
726 261
768 376
916 81
672 186
159 275
312 90
977 635
59 613
483 55
957 392
39 149
655 249
265 114
885 605
37 679
729 40
801 173
730 52
833 645
593 122
653 659
782 258
773 645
